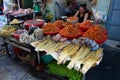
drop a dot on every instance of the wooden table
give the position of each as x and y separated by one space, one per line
16 43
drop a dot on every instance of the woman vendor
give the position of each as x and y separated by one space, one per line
83 13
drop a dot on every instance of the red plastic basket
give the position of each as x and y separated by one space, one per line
52 33
16 34
84 28
70 37
29 23
102 41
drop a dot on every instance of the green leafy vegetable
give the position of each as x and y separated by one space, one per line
63 71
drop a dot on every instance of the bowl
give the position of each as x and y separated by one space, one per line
16 34
72 20
71 37
36 22
84 28
52 33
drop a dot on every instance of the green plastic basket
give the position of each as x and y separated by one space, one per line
46 58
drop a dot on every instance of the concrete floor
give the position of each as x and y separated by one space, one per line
11 68
109 68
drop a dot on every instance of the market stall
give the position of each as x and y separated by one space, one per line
20 14
71 46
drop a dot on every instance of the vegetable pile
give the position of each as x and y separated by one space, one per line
84 26
63 71
70 32
49 28
7 30
58 23
97 33
67 23
15 21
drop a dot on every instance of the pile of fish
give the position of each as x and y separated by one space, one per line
37 34
79 41
20 12
81 57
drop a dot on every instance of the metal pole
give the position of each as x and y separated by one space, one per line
6 47
38 57
18 4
